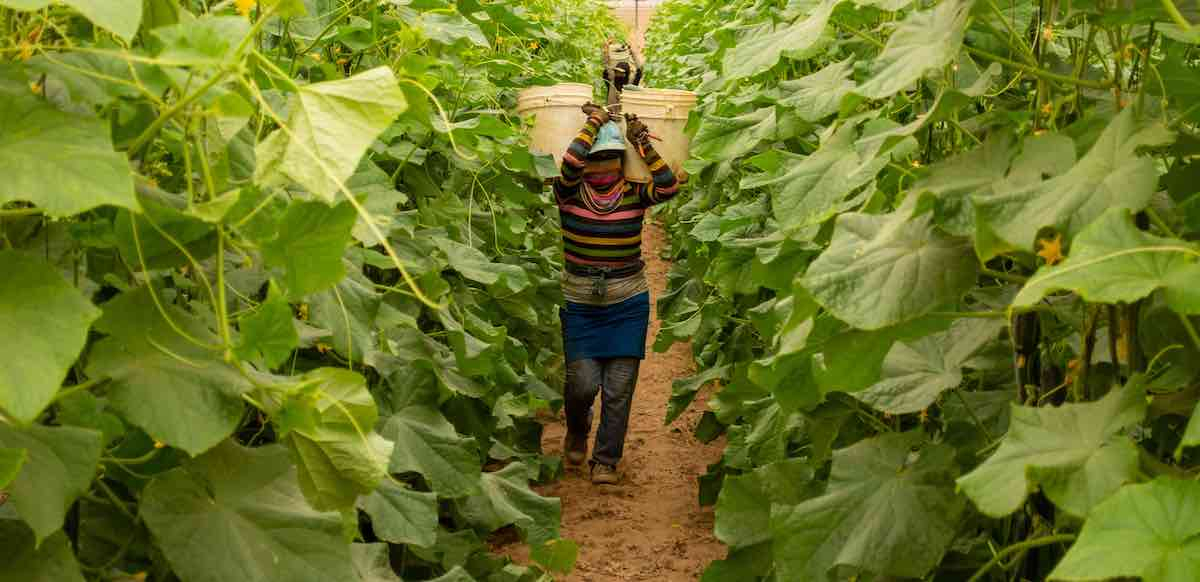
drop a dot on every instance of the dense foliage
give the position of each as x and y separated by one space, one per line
940 260
277 287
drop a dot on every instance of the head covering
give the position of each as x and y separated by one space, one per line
609 139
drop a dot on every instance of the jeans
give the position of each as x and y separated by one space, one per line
614 379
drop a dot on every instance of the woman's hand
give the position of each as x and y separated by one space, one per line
636 131
596 112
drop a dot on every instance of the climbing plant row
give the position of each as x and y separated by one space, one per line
277 288
940 262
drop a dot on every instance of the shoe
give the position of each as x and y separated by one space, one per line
604 474
574 449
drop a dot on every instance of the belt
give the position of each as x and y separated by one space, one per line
605 272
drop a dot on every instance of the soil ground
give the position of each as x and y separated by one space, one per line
651 526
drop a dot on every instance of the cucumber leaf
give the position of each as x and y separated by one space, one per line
1150 531
237 514
1075 452
47 321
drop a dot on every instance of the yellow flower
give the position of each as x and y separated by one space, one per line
245 6
1051 249
1048 33
26 50
533 45
36 88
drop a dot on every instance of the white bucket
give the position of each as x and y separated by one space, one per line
557 116
665 112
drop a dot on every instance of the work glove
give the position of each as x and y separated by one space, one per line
636 131
596 112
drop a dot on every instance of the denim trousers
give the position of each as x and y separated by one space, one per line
614 379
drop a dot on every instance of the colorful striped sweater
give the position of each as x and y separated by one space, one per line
608 238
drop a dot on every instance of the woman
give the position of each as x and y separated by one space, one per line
607 300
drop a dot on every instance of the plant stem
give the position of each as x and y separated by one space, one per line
1026 51
1191 329
1113 333
86 385
1079 392
1038 71
1176 15
1020 547
172 111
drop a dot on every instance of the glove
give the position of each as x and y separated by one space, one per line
636 131
597 112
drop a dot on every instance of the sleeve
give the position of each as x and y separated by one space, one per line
663 185
566 185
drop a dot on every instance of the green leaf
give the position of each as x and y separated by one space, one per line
339 456
956 178
372 563
1112 261
402 516
348 311
27 559
1149 531
922 42
208 41
120 17
762 49
916 373
311 239
451 27
819 95
683 391
11 461
506 499
883 270
1111 175
727 138
887 510
331 126
456 574
61 464
41 141
157 373
268 332
237 514
556 556
45 322
811 188
427 443
381 203
1075 452
745 501
474 265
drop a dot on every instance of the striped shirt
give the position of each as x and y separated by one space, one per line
609 240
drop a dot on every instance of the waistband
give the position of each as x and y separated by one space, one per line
605 272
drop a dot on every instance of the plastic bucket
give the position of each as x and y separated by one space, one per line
557 116
665 112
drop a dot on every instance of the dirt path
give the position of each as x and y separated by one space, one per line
650 527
